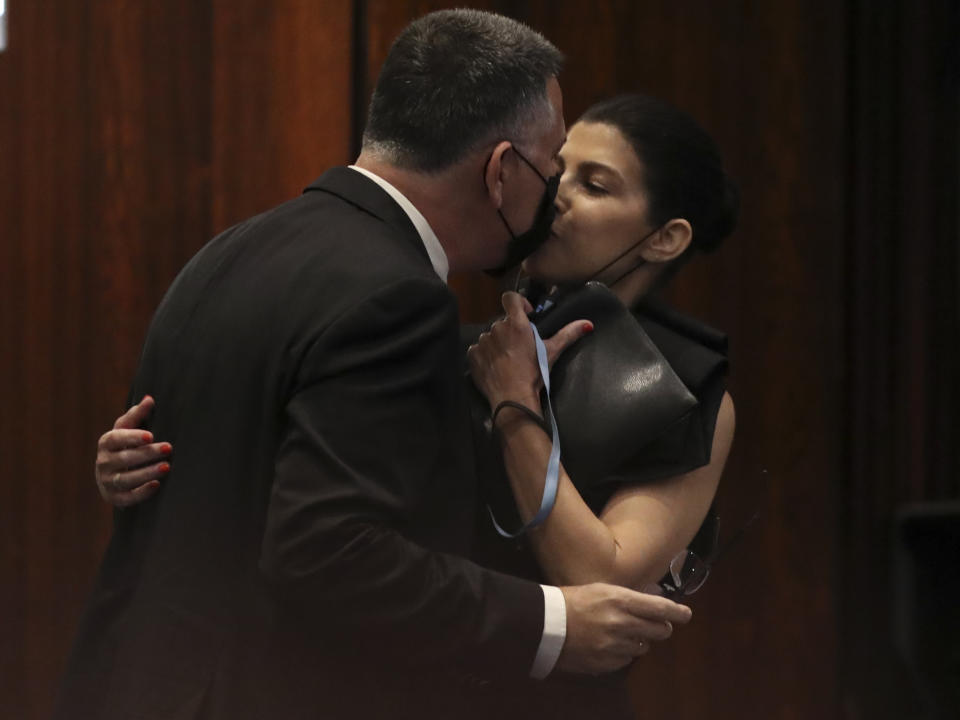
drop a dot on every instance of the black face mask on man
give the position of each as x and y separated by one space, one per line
520 246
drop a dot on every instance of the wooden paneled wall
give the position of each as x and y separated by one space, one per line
132 132
903 318
104 192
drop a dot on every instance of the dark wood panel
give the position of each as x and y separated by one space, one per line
904 320
282 87
105 191
33 121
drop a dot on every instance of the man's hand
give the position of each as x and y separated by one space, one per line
129 464
608 626
503 362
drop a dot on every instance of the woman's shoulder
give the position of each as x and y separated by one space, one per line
696 351
662 314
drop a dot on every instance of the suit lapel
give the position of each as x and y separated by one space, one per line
359 190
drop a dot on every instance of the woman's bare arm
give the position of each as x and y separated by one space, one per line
641 527
639 530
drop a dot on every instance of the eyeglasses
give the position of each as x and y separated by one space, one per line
688 571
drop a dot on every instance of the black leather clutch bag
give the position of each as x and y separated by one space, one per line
613 391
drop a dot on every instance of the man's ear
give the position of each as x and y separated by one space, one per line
493 173
669 242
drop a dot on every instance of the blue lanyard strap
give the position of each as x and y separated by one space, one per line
552 479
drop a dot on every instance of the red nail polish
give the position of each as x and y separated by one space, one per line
588 328
147 437
164 468
166 448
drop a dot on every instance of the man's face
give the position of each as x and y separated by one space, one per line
524 189
556 133
543 154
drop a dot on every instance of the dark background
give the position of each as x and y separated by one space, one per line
131 132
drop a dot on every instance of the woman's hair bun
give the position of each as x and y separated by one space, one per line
717 228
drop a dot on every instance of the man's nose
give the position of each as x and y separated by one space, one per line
561 201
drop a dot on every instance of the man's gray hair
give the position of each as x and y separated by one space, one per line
454 81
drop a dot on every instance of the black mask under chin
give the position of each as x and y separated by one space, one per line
636 266
522 245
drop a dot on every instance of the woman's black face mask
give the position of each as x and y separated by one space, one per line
636 266
522 245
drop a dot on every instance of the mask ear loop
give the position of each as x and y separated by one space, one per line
623 255
533 167
483 180
545 180
516 283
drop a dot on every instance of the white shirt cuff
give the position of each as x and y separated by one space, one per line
554 632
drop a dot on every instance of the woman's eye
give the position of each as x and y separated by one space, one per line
594 189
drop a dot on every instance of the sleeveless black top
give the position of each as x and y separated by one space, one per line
698 355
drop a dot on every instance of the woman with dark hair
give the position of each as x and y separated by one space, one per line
642 190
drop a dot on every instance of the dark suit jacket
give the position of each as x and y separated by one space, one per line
305 556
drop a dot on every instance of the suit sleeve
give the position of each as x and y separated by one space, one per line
358 456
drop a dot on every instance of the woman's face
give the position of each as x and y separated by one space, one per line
601 209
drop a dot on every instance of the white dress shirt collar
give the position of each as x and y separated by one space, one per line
438 258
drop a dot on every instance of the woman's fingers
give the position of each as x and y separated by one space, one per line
132 497
125 480
131 486
119 450
129 464
565 337
513 303
116 440
137 415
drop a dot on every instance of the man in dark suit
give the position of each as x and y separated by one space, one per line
305 558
